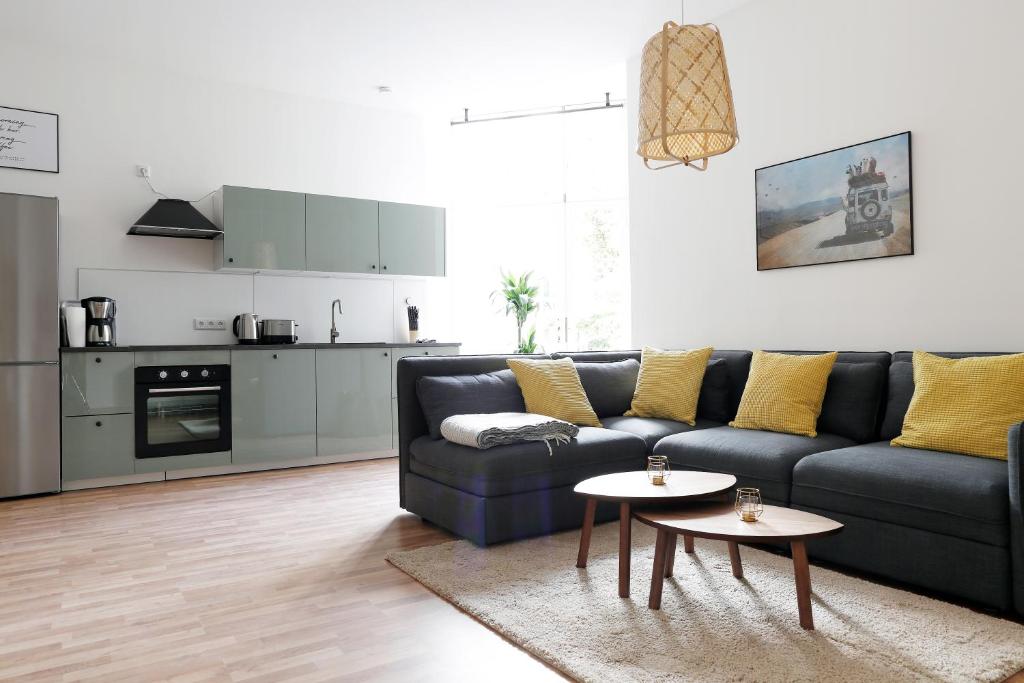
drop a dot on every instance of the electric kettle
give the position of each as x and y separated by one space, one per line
247 328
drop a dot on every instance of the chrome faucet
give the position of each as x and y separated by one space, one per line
334 328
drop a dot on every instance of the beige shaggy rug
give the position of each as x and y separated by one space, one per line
712 627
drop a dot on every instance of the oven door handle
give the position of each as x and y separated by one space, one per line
177 390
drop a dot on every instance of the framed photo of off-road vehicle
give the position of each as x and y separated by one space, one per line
847 204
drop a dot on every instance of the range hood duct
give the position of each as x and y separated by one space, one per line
175 218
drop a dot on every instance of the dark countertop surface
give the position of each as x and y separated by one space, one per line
250 347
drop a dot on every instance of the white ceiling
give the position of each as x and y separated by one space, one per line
437 56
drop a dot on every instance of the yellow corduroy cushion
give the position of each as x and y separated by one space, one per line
784 393
668 385
553 388
965 405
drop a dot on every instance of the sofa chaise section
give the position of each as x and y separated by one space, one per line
944 521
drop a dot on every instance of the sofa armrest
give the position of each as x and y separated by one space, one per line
1015 463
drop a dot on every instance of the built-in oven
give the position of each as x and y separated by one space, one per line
182 409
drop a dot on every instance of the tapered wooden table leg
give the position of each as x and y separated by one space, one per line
803 583
588 528
625 544
734 558
658 572
670 555
688 543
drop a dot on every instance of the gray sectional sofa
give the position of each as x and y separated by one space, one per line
945 522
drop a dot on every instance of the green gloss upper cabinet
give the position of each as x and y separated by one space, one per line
263 229
341 234
273 405
97 383
411 239
353 407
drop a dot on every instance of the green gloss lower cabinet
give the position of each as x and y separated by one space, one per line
97 382
353 408
273 405
97 446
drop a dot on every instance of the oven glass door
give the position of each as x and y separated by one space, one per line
178 420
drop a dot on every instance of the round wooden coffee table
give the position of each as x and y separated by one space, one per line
719 521
634 488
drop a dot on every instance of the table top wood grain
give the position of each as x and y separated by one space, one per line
720 521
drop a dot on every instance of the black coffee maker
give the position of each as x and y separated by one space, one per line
100 328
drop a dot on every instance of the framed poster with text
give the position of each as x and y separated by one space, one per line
29 140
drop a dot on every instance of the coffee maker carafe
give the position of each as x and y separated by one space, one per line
100 328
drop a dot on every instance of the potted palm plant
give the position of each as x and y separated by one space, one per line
520 299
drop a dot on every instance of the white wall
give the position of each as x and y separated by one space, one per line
809 76
197 135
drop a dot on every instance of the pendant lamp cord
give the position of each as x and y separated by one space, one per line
682 12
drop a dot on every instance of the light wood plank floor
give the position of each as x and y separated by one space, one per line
270 576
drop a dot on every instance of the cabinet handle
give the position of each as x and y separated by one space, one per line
98 359
385 354
231 260
275 356
426 353
372 266
99 423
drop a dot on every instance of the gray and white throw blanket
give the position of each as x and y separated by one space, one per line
485 430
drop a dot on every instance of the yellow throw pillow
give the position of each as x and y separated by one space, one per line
965 405
784 393
668 385
553 388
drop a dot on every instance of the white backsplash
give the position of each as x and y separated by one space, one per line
366 305
158 307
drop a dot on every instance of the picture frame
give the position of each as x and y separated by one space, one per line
851 203
29 140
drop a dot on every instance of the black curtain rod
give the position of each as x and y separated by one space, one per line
564 110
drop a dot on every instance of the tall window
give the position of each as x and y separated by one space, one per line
544 195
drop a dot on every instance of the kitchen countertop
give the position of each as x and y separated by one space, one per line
250 347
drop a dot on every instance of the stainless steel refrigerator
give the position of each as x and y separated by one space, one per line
29 346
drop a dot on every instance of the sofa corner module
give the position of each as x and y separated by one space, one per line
1015 466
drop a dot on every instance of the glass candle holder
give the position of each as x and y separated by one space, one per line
748 504
658 470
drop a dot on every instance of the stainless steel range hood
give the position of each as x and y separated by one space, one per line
175 218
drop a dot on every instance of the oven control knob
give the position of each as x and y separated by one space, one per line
163 374
205 373
184 374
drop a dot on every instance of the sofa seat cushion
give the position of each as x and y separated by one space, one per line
756 458
653 429
946 493
522 467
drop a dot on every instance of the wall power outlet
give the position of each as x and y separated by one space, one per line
209 324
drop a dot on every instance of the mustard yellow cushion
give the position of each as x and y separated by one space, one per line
668 385
553 388
784 393
965 405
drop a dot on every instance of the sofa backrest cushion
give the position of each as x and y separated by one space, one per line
492 392
609 385
901 390
722 388
901 386
852 401
715 402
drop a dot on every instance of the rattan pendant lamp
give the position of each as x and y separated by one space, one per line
686 108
